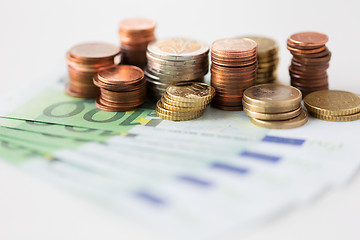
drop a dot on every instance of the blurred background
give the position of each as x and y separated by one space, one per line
36 34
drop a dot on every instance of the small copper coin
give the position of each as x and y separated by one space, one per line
90 51
234 45
122 74
309 39
137 24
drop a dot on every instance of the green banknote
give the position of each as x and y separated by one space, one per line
17 151
53 106
69 131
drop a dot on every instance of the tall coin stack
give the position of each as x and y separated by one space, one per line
267 56
184 101
310 61
274 106
84 61
233 70
135 34
123 88
175 60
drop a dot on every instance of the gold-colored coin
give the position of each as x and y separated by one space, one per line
159 108
266 45
343 118
261 109
190 92
273 98
179 118
175 103
181 109
283 124
273 116
332 103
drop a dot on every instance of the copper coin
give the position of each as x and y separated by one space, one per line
137 25
300 65
309 84
121 75
311 55
306 73
72 93
226 108
306 51
233 45
309 64
310 39
323 59
298 46
93 51
111 109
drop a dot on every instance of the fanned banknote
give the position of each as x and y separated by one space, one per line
196 179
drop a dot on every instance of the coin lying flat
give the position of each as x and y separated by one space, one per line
332 103
190 92
166 99
93 51
178 49
308 39
273 116
265 45
332 118
168 106
283 124
161 109
179 118
276 96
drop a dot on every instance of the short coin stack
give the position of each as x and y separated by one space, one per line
310 61
122 88
184 101
175 60
267 56
233 70
274 106
135 34
84 61
332 105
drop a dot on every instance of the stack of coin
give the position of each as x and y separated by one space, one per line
84 61
184 101
267 56
332 105
175 60
135 35
122 88
310 61
233 70
274 106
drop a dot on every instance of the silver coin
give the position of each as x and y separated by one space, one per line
165 78
178 71
203 58
200 65
178 49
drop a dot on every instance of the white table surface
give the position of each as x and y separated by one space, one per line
35 36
